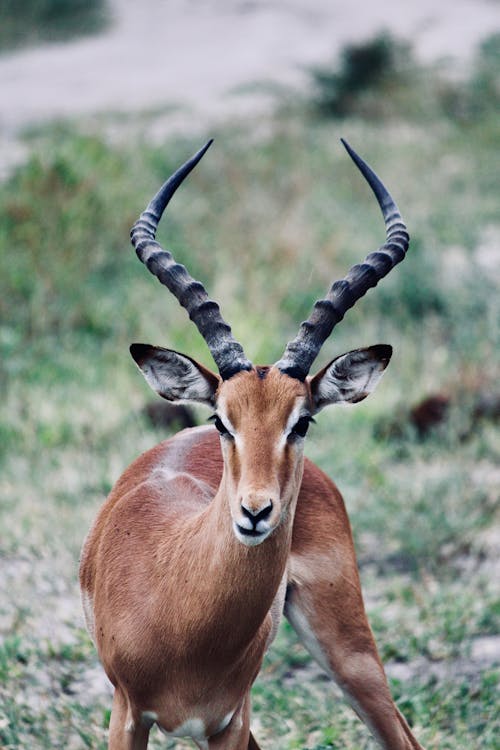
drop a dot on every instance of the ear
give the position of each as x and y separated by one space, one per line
174 376
350 377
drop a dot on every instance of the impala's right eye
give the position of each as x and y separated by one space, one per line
301 427
220 426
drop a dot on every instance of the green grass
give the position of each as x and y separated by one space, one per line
266 222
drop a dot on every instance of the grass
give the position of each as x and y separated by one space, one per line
266 221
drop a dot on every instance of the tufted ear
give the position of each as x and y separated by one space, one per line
350 377
175 376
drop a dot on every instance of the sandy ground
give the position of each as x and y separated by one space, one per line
158 53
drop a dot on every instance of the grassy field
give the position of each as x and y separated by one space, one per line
274 212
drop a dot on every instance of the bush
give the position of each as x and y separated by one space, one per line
380 78
59 231
34 21
380 65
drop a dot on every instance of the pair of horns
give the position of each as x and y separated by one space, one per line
301 352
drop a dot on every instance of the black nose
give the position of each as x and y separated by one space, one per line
259 515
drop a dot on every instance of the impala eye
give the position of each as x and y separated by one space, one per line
219 425
301 427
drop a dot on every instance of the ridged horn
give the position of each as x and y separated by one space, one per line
204 312
301 352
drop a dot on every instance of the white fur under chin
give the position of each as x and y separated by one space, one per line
250 541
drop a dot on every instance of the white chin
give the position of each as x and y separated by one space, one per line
250 539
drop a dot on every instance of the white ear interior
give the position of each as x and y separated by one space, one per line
174 376
350 377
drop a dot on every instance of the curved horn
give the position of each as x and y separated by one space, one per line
303 350
204 312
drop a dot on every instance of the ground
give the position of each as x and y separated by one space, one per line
136 100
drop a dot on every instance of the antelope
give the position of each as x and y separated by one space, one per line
208 537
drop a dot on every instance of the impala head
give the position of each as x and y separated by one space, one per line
263 413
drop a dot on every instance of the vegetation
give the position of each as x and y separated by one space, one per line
266 227
367 72
36 21
380 79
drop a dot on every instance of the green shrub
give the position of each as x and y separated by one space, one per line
34 21
59 231
368 73
381 79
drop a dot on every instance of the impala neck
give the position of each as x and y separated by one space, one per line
241 581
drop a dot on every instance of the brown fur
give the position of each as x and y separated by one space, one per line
183 611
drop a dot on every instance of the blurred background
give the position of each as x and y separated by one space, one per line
100 102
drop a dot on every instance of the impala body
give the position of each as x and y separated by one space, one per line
207 538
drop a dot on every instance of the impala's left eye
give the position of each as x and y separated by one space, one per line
220 426
301 426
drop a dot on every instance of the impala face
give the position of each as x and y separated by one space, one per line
262 417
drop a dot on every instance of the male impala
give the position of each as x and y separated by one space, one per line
209 536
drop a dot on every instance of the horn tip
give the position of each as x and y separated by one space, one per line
354 156
345 144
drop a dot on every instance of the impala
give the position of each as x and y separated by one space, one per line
207 538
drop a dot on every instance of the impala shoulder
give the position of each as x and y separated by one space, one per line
321 520
318 493
173 452
316 477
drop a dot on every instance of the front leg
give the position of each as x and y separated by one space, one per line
325 606
125 733
237 735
